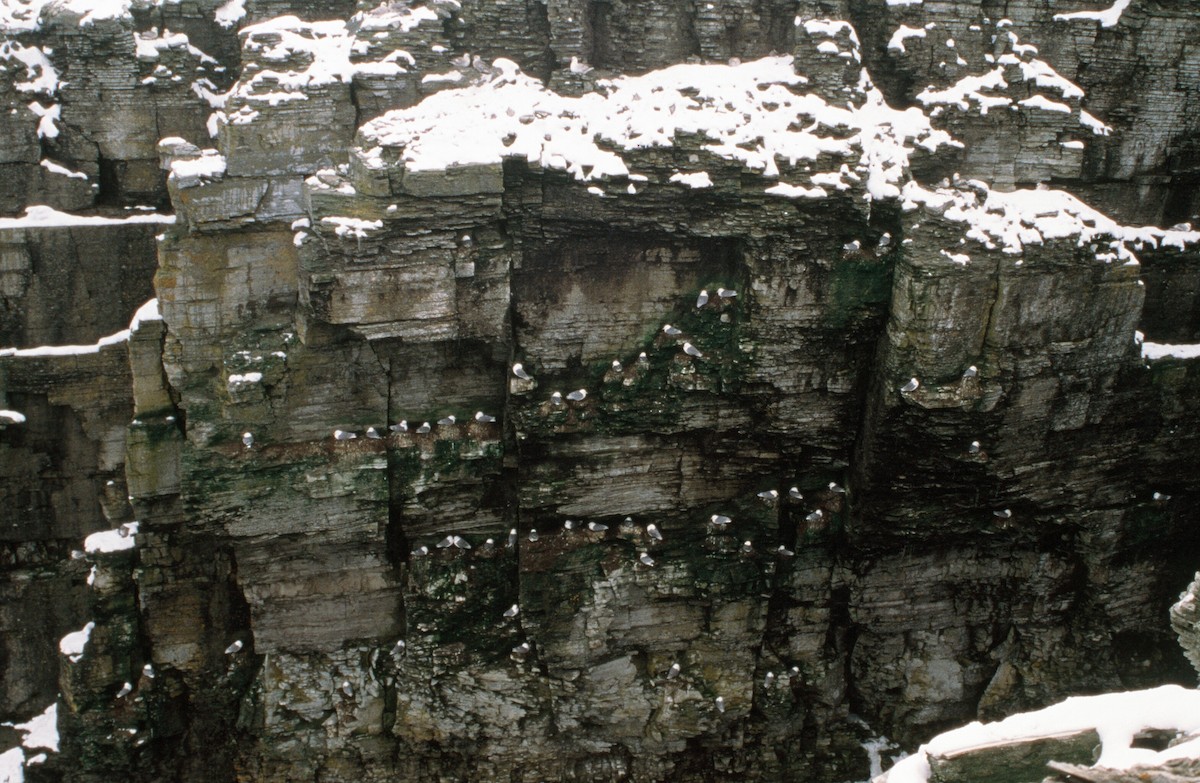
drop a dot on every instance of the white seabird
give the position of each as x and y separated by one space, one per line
911 386
446 542
519 370
126 689
420 551
971 372
373 433
247 439
484 418
836 488
236 647
795 494
785 552
347 688
399 647
579 395
462 61
726 293
692 350
446 422
720 520
747 546
556 398
579 68
616 365
769 494
521 650
1002 514
533 534
671 331
852 247
425 428
461 543
343 435
401 427
148 671
720 702
702 299
642 359
512 537
1161 497
973 448
512 611
815 516
673 672
596 527
645 559
654 532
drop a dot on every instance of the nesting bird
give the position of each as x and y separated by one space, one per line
970 372
1161 497
533 534
719 520
373 433
702 299
671 331
347 688
399 648
512 537
645 559
1002 514
484 418
556 398
785 552
654 532
597 527
126 689
247 439
401 427
420 551
521 650
616 365
425 428
512 611
852 247
234 648
769 494
973 448
726 293
911 386
720 702
692 350
579 395
747 547
447 421
794 494
815 516
148 671
673 672
343 435
836 488
579 68
519 370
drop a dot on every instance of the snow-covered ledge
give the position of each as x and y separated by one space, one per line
1115 717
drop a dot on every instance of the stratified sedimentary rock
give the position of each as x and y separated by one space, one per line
601 391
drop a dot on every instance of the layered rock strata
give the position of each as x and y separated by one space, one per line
507 419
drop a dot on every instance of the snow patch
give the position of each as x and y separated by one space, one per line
39 216
12 417
116 540
749 112
697 179
1116 717
903 32
230 13
73 644
1107 17
55 168
1168 350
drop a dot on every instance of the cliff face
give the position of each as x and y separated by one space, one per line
497 421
